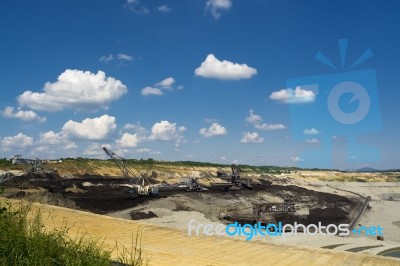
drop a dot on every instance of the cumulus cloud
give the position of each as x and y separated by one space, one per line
90 128
267 127
212 67
293 96
51 137
311 131
313 141
215 6
251 137
59 139
164 8
151 91
23 115
166 131
160 87
75 89
18 141
166 83
253 118
128 140
257 119
214 130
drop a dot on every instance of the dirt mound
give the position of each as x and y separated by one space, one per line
142 215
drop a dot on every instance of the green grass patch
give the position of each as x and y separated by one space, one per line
24 241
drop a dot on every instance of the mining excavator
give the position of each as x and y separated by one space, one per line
234 180
142 185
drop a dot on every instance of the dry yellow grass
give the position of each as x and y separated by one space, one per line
167 246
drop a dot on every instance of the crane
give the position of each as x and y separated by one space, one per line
142 185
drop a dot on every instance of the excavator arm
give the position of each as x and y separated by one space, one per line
143 185
120 162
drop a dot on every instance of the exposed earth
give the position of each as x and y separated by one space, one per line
316 201
104 195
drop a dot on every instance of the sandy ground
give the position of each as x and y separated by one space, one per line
385 206
169 246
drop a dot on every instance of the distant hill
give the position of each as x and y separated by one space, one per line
367 169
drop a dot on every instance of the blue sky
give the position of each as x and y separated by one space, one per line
206 80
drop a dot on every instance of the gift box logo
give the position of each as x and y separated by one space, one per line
344 105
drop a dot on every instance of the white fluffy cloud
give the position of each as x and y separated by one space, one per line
166 83
257 119
214 130
75 89
128 140
293 96
160 87
267 127
312 141
251 137
18 141
166 131
51 137
215 6
90 128
59 139
311 131
23 115
151 91
226 70
253 118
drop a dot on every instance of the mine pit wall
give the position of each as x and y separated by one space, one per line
106 194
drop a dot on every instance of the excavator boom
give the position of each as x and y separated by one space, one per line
120 162
143 185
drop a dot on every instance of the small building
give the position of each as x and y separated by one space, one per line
17 159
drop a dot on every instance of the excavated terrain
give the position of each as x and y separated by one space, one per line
103 195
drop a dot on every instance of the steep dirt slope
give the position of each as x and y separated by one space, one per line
167 246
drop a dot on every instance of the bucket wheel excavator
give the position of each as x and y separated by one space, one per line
142 184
